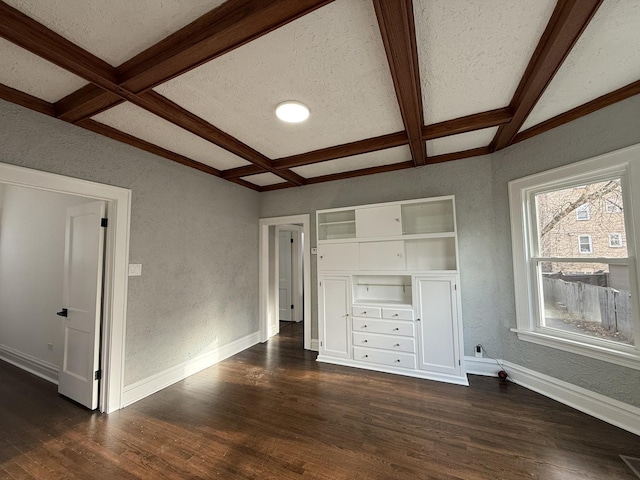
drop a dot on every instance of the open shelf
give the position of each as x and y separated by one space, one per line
337 225
382 289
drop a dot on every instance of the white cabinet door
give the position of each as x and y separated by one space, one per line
335 327
382 255
338 256
378 221
438 326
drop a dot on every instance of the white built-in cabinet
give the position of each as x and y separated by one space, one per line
388 288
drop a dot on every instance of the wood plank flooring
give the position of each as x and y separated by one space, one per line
272 412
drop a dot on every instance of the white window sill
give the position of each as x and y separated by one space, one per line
630 358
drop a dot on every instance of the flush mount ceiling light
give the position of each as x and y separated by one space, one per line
292 112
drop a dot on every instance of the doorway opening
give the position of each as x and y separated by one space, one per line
284 276
116 249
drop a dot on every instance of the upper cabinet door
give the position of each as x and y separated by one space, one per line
378 221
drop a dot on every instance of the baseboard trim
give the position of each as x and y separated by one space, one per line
29 363
595 404
150 385
481 366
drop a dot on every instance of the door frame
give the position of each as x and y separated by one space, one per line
263 275
116 254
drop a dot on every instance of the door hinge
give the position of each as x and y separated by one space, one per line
459 362
291 307
97 375
455 286
292 240
320 342
104 222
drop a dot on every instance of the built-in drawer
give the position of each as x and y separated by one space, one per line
397 314
388 342
369 312
387 327
381 357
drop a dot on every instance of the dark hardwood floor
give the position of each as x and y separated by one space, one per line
272 412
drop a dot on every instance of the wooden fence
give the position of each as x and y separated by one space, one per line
605 305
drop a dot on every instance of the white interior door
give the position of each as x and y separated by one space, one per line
83 263
285 280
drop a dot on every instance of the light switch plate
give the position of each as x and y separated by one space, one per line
135 269
314 251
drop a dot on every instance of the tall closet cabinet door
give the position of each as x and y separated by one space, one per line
335 325
438 326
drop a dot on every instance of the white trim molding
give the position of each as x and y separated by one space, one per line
315 345
115 266
31 364
600 406
150 385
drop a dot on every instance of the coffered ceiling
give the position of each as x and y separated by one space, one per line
390 84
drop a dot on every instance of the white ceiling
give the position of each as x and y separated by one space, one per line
332 60
605 58
114 30
473 52
135 121
472 55
31 74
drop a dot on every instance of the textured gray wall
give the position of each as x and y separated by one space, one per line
486 269
195 235
468 180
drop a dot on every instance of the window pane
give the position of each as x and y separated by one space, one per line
594 210
588 299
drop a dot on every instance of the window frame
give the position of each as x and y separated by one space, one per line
623 164
590 242
617 235
584 208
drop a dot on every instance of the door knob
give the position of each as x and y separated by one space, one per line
63 313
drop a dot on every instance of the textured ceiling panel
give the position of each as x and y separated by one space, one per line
461 142
144 125
356 162
473 52
263 179
605 58
31 74
114 30
333 60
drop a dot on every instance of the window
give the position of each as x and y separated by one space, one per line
583 212
584 244
615 240
573 292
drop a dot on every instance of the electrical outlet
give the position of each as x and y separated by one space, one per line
50 346
479 351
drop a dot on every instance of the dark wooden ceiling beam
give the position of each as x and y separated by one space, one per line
601 102
246 184
172 112
25 32
243 171
85 102
449 157
477 121
345 150
568 21
396 22
114 134
231 25
361 172
28 101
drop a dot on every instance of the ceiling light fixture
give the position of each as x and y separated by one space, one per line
292 112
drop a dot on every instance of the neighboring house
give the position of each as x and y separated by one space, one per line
582 222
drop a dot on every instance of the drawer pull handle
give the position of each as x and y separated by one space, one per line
365 341
364 326
397 345
398 361
396 329
366 356
417 319
364 313
395 314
